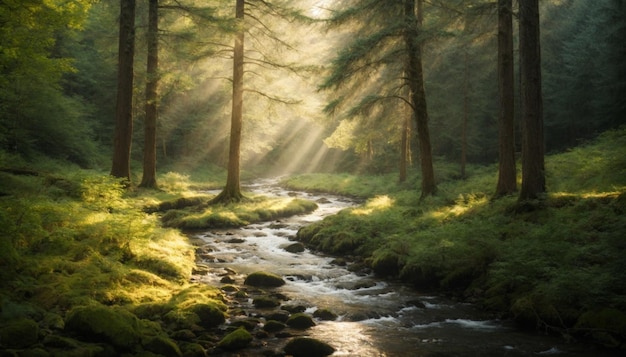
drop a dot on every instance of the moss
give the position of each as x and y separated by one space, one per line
274 326
265 302
162 346
238 339
114 325
308 347
606 325
19 333
325 314
300 321
264 279
210 315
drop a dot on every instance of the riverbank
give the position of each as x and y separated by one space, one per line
554 264
85 271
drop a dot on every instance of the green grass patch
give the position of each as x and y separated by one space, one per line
254 209
547 263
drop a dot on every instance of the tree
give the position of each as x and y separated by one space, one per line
533 168
150 121
232 190
415 81
380 66
124 103
507 175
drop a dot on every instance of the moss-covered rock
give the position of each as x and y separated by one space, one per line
238 339
100 323
19 333
300 321
210 315
308 347
192 350
274 326
265 302
264 279
162 346
325 314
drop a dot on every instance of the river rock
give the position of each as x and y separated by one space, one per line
210 316
265 302
300 321
295 248
274 326
162 346
325 314
280 316
294 309
263 279
238 339
97 322
308 347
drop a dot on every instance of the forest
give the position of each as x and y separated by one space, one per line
480 145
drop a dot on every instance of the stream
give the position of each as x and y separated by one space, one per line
376 317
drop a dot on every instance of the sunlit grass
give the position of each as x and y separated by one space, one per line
376 204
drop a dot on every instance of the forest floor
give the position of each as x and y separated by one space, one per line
85 261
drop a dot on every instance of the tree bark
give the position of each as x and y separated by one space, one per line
415 78
150 121
507 172
124 104
404 150
533 168
232 190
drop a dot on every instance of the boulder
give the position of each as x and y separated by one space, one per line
325 314
19 333
263 279
295 248
238 339
300 321
210 316
100 323
274 326
308 347
265 302
162 346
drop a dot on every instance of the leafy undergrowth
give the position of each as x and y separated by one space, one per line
556 263
77 240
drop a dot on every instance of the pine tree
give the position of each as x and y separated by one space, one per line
124 104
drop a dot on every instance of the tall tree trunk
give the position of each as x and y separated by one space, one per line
415 78
507 172
466 89
232 190
124 103
149 150
533 168
404 150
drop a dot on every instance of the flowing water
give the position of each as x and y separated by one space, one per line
376 317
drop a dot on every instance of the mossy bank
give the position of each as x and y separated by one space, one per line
86 270
553 264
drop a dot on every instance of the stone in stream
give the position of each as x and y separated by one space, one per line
300 321
263 279
238 339
295 248
325 314
308 347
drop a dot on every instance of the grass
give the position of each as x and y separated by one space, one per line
554 264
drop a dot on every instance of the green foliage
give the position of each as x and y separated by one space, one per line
240 214
546 263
